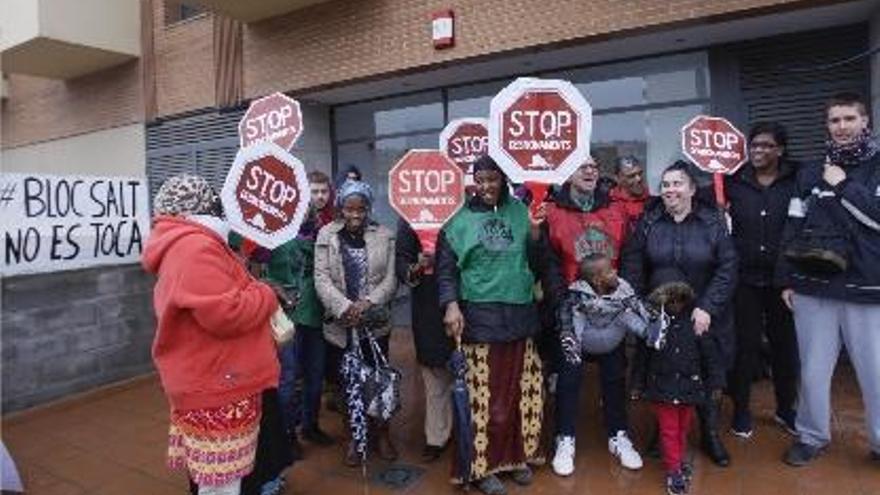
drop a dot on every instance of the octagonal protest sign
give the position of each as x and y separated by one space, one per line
464 141
426 188
714 144
276 118
539 130
266 194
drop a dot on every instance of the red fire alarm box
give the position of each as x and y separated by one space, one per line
443 29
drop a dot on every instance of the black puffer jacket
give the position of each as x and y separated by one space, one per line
685 371
758 214
700 248
433 347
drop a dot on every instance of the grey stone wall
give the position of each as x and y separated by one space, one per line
66 332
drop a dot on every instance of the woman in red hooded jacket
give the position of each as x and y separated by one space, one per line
213 346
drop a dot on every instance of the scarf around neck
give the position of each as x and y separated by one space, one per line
863 148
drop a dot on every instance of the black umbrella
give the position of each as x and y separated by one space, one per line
355 373
461 413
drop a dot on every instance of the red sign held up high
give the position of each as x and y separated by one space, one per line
266 194
714 144
539 130
276 118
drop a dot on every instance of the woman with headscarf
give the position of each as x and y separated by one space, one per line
354 277
486 265
213 347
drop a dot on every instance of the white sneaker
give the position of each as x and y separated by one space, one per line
621 447
563 461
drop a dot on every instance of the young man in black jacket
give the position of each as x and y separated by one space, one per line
758 194
839 305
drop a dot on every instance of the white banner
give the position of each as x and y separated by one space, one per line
63 222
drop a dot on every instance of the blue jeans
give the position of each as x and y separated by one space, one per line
287 396
311 355
612 379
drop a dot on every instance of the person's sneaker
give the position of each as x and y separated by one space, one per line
522 477
785 419
491 485
687 472
742 425
563 460
621 447
316 436
675 484
801 454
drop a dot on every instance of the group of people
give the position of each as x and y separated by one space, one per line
671 296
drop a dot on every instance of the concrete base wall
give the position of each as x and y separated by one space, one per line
68 332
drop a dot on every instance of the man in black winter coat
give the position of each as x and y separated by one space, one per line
836 302
758 195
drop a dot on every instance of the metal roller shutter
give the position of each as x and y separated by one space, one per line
204 143
775 87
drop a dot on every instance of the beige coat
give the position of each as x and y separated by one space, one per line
330 278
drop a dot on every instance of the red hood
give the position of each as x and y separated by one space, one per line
619 194
164 235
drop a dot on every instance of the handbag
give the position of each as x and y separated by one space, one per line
821 246
382 387
283 329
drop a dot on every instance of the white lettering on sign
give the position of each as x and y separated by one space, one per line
272 124
430 181
705 138
469 145
548 124
268 186
55 223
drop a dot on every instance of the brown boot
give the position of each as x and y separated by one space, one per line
386 449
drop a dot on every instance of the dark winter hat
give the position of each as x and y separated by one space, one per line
486 162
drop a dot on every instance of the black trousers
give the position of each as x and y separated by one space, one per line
612 378
759 312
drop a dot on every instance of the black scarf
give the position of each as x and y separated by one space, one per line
852 154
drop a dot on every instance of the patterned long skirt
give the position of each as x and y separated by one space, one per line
217 445
507 403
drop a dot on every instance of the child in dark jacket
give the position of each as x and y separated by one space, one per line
682 372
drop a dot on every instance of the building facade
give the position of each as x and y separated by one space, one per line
372 85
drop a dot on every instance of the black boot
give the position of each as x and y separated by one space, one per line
710 417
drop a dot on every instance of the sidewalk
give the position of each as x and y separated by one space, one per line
113 442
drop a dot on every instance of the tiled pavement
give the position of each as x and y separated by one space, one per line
113 442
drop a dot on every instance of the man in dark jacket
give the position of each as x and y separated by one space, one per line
758 194
839 307
580 222
415 269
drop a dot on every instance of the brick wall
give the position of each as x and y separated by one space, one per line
332 43
71 331
338 41
41 109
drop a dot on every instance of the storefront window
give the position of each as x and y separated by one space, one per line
639 108
375 159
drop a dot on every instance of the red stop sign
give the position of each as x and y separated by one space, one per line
266 194
276 118
464 141
539 130
713 144
425 188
